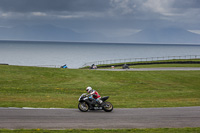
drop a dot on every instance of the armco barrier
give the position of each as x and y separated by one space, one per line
114 61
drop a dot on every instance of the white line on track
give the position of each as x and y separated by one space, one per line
27 108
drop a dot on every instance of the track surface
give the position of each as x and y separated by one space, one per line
17 118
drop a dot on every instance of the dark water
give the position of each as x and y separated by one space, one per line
76 54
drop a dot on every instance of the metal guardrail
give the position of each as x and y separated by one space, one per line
51 66
114 61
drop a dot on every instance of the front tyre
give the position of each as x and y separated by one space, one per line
83 106
108 107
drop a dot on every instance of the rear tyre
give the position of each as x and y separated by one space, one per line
83 106
107 107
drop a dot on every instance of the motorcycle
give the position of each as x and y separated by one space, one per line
86 102
64 66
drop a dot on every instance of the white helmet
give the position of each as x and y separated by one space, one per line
89 89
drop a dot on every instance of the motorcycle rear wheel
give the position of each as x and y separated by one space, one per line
108 107
83 106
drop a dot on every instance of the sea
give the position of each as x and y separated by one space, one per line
76 54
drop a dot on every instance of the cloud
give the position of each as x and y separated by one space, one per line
69 16
52 9
123 6
124 9
195 31
39 14
53 5
172 7
116 17
159 6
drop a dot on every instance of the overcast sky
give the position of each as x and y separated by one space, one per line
110 17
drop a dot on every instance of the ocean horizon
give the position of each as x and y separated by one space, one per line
76 54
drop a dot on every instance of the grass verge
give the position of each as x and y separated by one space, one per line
156 130
60 88
160 63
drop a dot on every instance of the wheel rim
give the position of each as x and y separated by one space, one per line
108 106
83 106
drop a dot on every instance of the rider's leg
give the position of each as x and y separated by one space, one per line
99 100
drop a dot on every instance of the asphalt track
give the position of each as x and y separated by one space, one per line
29 118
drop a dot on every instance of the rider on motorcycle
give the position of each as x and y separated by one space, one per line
95 94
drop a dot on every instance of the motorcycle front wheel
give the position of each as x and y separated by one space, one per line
108 107
83 106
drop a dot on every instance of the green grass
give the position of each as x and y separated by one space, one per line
119 65
61 88
156 130
165 65
159 65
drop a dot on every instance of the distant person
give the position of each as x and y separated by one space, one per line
94 94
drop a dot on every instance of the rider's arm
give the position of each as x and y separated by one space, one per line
93 93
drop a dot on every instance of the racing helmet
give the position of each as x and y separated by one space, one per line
89 89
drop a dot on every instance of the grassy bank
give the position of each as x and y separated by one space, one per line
61 88
156 130
160 63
